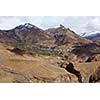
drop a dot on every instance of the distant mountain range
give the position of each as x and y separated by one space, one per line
32 34
94 35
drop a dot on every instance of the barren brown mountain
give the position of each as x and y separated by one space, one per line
24 33
65 36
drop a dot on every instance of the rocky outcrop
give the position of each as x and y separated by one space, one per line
91 59
17 51
70 68
95 77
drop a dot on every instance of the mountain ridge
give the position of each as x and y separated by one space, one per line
32 34
94 35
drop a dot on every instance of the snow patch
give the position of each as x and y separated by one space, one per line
28 25
87 34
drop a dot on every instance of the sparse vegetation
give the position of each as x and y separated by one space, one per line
36 49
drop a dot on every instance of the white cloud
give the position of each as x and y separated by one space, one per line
77 23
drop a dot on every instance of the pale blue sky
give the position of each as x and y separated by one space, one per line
79 24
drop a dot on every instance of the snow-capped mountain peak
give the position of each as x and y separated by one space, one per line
25 26
87 34
28 25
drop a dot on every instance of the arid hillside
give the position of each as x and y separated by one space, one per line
31 68
39 68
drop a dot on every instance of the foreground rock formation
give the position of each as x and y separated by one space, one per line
95 77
